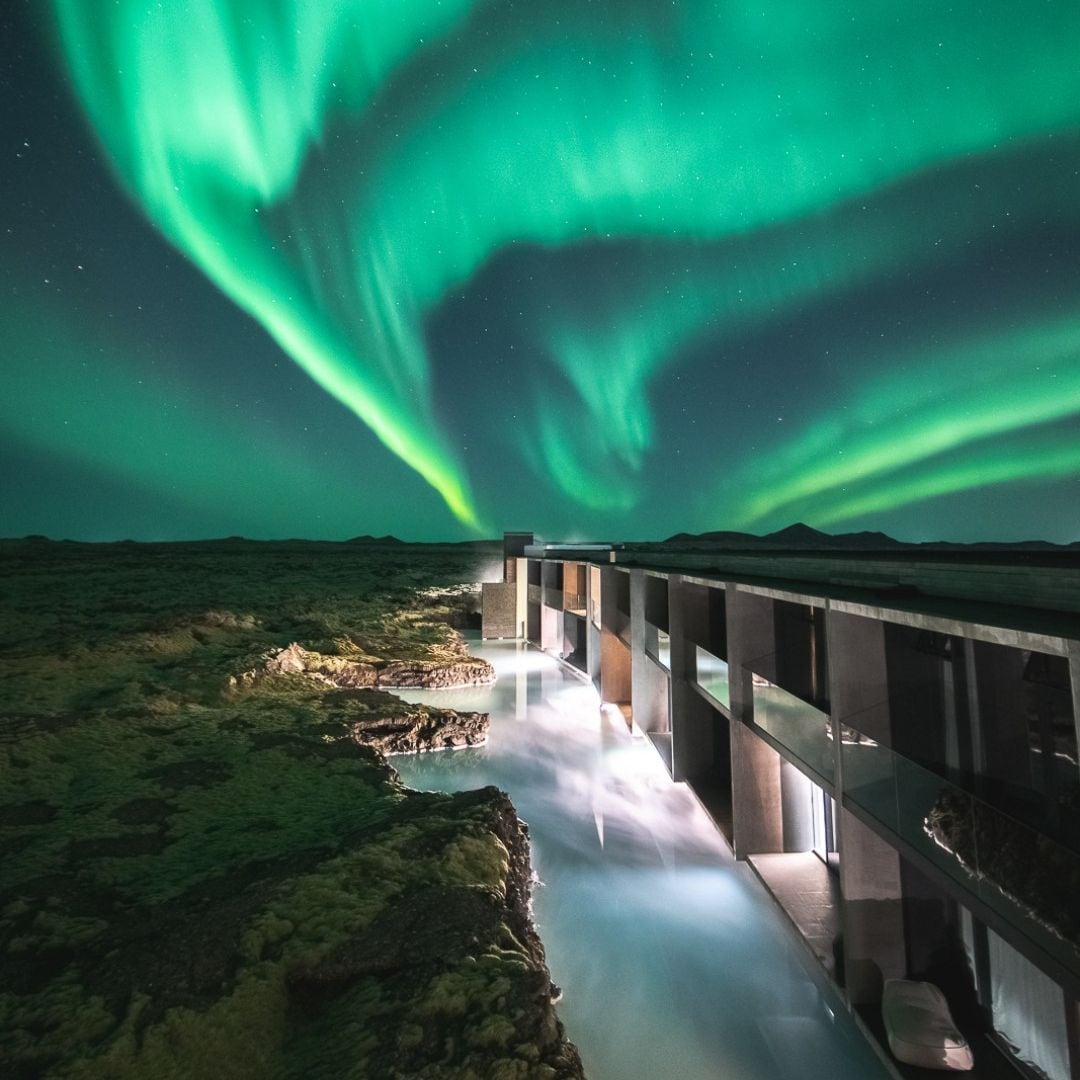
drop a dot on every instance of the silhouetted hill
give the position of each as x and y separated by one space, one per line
798 535
806 538
367 539
721 537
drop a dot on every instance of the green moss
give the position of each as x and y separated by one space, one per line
175 852
479 860
60 1020
238 1036
493 1030
340 1042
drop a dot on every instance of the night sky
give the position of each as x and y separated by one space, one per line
440 268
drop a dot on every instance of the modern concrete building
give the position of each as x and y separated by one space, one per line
890 742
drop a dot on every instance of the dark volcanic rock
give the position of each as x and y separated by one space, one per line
437 674
349 673
1039 876
421 728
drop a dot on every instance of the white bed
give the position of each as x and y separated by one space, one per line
920 1027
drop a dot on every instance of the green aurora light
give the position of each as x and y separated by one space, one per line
340 168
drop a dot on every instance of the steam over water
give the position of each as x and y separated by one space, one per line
671 958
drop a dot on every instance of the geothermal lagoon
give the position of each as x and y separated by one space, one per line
672 960
209 870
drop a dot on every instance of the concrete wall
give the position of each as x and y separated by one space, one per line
551 628
615 669
693 729
860 695
873 914
693 738
651 695
1051 587
796 806
756 804
499 607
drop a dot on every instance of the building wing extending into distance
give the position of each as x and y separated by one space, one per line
889 741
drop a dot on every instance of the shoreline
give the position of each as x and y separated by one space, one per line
201 881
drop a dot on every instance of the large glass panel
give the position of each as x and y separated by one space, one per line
796 725
712 676
658 644
1029 1011
869 780
663 648
1021 873
995 719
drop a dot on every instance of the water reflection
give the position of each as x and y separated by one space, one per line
671 961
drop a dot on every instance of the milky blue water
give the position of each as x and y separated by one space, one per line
672 961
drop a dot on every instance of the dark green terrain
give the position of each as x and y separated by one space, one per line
204 874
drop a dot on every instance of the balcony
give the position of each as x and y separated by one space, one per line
1016 871
712 677
574 603
794 724
658 645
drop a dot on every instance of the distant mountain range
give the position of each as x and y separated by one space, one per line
803 537
243 541
797 537
366 539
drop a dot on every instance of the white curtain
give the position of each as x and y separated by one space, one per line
1029 1010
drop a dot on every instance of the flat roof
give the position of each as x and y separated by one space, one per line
1035 594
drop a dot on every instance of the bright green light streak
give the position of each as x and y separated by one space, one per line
613 341
942 402
1042 460
208 110
565 449
700 122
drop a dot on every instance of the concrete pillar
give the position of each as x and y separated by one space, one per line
1074 679
639 673
615 665
615 654
796 808
521 583
756 805
750 635
859 688
550 628
873 916
858 676
592 629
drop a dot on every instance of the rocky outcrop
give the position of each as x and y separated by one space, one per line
331 670
421 728
464 986
436 674
1039 876
340 671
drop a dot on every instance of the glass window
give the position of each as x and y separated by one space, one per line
712 676
1028 1011
1027 1008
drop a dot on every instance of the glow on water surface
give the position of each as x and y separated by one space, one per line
671 959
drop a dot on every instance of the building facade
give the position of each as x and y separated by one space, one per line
891 745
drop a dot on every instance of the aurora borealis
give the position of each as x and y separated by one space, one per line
327 267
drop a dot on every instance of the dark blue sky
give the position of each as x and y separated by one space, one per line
595 270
